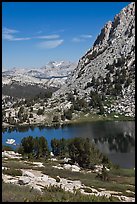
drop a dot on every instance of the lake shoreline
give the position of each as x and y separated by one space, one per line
79 120
111 137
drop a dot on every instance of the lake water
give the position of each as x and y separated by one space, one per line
116 138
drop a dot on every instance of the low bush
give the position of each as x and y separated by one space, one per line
12 172
57 179
14 193
6 148
87 190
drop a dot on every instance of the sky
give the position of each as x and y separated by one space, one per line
34 33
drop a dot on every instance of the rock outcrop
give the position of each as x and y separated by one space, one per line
108 68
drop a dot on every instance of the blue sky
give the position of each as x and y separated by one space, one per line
34 33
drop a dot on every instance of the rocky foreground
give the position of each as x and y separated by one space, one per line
37 180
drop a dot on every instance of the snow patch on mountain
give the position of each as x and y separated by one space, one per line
52 74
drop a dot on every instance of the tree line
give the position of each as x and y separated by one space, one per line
79 150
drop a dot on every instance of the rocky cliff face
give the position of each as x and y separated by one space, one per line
108 68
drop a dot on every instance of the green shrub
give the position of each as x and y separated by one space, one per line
79 104
6 148
34 147
83 152
68 114
89 84
104 176
70 97
12 172
127 82
57 179
110 68
59 147
62 117
80 150
40 112
87 190
120 61
53 189
14 193
96 101
55 118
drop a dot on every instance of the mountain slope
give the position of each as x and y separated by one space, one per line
105 75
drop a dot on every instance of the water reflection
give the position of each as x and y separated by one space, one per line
116 139
120 142
111 136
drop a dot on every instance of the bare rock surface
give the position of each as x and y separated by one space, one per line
112 55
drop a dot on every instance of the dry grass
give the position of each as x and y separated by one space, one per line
14 193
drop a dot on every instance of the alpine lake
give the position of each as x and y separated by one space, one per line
116 139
